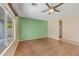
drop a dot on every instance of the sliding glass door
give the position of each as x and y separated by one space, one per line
10 28
1 29
6 29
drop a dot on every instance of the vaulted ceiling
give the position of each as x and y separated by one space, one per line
28 10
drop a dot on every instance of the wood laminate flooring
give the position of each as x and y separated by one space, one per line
46 47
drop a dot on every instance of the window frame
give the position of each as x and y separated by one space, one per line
6 13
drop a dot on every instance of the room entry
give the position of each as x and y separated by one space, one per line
60 29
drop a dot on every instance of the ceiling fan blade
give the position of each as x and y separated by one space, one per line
58 5
34 4
44 10
57 10
49 13
52 6
48 5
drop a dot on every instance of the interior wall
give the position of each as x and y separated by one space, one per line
32 28
71 28
53 28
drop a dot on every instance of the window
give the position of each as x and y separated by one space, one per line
6 29
1 29
9 29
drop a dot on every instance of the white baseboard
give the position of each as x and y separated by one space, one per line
69 41
65 40
16 44
32 39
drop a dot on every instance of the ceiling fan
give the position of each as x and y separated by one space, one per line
52 8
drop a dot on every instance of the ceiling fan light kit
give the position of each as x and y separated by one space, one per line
51 10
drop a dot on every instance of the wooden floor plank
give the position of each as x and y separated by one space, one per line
46 47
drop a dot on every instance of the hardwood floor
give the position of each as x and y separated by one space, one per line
46 47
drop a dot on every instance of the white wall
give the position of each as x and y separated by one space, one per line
9 51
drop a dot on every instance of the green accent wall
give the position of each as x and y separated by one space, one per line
32 28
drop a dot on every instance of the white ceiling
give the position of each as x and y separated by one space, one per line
27 10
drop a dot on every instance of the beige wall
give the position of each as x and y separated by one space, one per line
70 28
9 51
53 28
